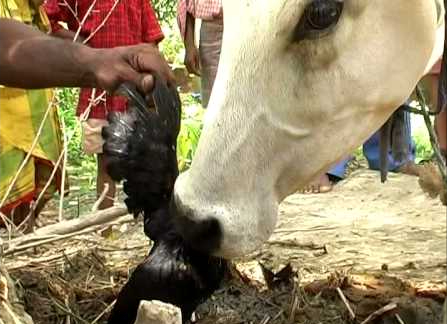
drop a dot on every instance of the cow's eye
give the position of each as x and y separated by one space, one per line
318 19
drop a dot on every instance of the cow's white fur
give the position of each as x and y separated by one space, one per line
282 112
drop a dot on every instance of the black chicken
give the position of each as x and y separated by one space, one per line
140 148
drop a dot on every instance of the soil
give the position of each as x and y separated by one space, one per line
378 243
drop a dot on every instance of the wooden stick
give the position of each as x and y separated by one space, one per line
22 247
399 319
109 307
70 226
89 10
23 264
380 312
345 301
101 198
91 219
64 170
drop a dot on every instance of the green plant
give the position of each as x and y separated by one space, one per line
192 123
419 133
166 10
67 99
424 150
172 46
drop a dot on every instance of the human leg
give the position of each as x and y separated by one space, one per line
209 50
92 143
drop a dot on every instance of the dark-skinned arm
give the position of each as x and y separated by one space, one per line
67 35
192 57
31 59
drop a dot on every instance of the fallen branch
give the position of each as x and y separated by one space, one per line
91 219
64 229
15 265
45 240
379 312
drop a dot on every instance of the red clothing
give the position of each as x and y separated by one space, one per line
131 22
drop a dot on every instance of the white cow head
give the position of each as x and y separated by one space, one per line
300 84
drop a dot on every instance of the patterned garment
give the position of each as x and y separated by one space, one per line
131 22
199 9
22 112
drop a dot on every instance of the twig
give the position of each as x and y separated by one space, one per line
265 320
312 229
385 309
109 307
278 315
10 312
101 198
295 303
20 248
413 110
399 319
64 170
67 227
103 22
75 14
294 243
4 299
89 10
345 301
67 311
16 265
3 288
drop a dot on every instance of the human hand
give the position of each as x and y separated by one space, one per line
192 60
136 64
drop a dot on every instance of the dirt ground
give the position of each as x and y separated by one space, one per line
390 238
379 243
364 225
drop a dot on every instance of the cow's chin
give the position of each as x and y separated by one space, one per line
222 228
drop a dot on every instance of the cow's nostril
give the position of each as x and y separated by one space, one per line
203 235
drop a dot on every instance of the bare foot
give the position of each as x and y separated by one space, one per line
322 184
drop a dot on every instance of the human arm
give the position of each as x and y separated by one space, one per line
31 59
192 58
67 35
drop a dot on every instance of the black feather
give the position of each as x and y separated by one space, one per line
140 148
